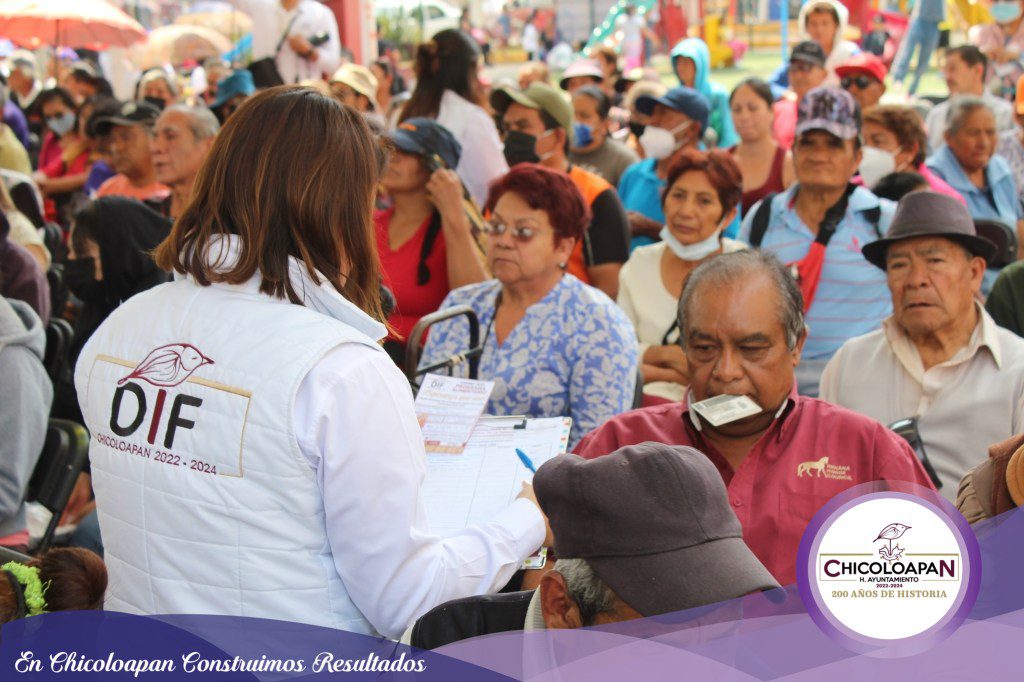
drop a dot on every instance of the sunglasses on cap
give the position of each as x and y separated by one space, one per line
493 228
860 81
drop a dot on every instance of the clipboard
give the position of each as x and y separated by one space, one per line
471 488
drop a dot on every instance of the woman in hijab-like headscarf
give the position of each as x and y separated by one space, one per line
108 262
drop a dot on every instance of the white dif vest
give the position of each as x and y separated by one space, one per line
206 504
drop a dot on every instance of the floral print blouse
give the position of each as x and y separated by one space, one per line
572 355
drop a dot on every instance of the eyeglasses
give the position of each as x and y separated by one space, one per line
492 228
861 82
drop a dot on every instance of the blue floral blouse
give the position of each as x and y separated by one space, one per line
572 355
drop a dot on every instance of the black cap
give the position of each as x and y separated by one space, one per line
427 137
808 51
128 114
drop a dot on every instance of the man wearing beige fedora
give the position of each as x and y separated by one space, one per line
940 358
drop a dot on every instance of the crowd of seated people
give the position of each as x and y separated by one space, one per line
628 250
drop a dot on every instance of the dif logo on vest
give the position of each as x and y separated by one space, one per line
166 412
888 573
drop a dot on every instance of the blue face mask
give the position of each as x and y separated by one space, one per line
1005 11
61 125
584 134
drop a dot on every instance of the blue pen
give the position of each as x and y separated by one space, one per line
526 460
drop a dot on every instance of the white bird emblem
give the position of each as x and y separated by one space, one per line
169 365
893 531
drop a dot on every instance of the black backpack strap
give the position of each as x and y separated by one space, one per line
759 225
433 229
874 216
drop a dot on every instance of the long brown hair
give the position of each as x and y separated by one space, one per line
292 173
443 63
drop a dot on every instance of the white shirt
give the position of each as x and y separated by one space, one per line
270 21
963 405
651 307
483 154
632 28
531 38
355 424
935 121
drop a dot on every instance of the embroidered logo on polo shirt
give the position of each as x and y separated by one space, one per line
821 468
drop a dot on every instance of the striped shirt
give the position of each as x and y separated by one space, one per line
852 296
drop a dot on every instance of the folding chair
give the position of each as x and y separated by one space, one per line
1003 236
65 452
59 336
58 289
470 355
10 555
907 430
53 239
638 392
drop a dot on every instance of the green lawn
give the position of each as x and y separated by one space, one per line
763 63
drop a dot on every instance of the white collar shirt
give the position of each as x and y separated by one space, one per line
963 405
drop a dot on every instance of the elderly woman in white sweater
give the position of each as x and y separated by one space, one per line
701 196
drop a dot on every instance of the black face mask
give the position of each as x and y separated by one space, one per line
520 148
637 129
80 275
156 102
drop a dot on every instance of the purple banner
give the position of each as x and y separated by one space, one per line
760 637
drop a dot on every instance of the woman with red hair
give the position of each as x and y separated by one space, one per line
553 345
701 194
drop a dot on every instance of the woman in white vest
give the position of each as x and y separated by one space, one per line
254 450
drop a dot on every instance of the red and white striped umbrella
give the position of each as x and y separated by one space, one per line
71 23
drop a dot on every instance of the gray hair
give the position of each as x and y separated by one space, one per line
722 272
201 120
156 75
592 596
960 108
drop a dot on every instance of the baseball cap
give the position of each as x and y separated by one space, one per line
128 114
654 523
427 137
537 95
808 51
830 109
360 79
584 67
865 62
683 99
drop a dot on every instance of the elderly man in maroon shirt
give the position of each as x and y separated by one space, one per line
742 331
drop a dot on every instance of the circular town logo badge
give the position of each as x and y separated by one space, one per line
889 573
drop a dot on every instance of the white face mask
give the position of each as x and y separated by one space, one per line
876 164
692 252
659 143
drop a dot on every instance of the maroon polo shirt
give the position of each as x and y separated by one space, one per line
785 479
